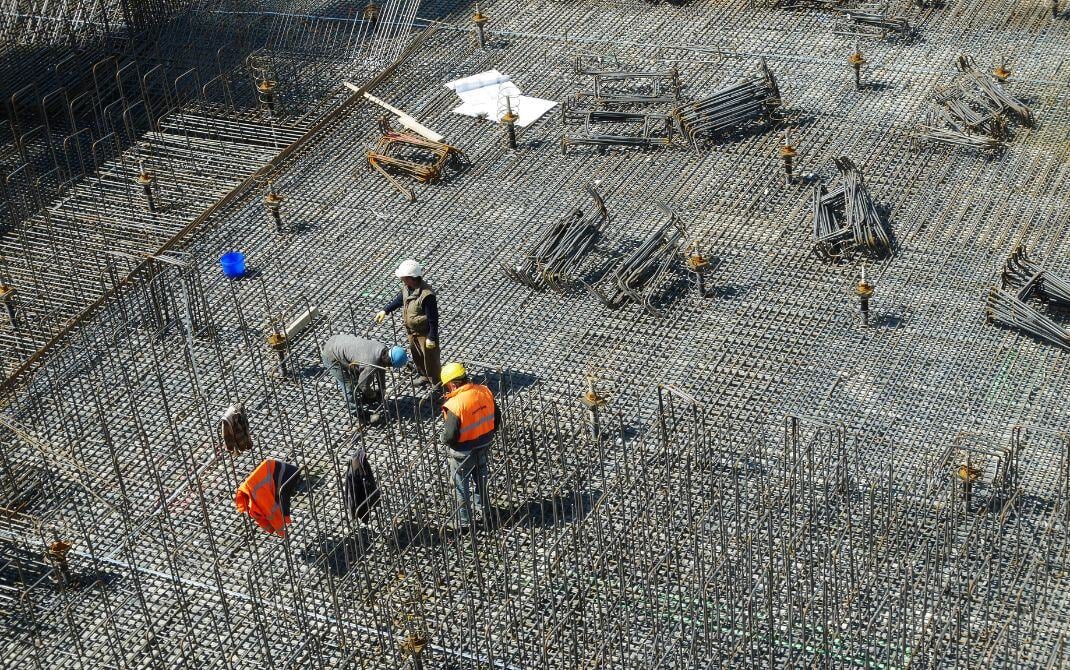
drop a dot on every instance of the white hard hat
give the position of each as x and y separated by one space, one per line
409 268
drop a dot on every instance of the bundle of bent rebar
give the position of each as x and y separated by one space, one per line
624 108
871 20
751 101
972 112
396 154
638 277
1022 280
845 218
561 249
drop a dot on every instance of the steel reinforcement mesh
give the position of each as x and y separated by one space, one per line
910 511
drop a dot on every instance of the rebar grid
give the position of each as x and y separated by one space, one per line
779 551
96 179
690 533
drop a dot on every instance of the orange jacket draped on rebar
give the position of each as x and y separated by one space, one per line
265 495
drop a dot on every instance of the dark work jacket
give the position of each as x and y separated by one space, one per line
287 480
361 490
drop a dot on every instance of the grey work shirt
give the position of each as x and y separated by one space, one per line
345 350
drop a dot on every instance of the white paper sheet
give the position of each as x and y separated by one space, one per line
481 80
531 109
483 95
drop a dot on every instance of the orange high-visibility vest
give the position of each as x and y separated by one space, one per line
259 498
473 404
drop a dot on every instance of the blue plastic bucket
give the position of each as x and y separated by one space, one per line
233 263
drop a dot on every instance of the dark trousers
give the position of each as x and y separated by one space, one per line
426 360
466 468
357 398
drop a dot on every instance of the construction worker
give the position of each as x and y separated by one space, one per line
420 316
470 417
358 365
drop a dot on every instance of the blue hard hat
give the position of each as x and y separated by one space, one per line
398 357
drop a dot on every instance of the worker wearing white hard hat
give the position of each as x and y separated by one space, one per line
419 307
409 268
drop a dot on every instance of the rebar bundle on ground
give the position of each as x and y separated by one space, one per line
753 101
606 128
412 156
624 108
972 112
1021 281
870 20
616 88
643 109
559 252
642 272
845 219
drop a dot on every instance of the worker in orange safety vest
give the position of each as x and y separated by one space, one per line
470 417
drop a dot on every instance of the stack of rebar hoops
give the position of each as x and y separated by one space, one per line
560 251
845 219
871 20
644 109
618 102
972 112
414 156
866 19
643 271
751 102
1022 280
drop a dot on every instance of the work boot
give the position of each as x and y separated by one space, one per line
419 381
375 419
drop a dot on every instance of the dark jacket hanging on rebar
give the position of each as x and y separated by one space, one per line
234 429
361 490
265 495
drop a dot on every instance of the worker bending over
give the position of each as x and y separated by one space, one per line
359 367
470 416
419 307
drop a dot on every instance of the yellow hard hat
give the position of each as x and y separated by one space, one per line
452 371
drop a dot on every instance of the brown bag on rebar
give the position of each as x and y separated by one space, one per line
234 429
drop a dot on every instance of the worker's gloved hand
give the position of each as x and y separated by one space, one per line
381 316
430 344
